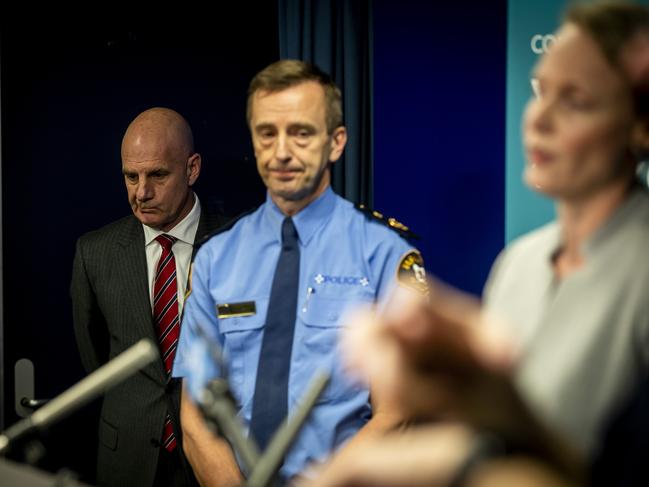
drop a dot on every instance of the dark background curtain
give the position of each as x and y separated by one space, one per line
336 35
69 90
439 130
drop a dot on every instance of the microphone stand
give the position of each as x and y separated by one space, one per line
219 410
270 462
108 375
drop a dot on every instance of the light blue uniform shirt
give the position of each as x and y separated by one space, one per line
345 258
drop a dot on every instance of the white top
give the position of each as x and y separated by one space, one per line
584 339
185 232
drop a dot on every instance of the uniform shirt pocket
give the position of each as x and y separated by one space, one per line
241 341
323 325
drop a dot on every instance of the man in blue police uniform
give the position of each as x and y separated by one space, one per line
328 255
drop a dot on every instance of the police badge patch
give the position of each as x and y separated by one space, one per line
411 272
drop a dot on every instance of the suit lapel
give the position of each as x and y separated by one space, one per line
133 270
209 222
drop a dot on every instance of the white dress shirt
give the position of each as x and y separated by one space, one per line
185 232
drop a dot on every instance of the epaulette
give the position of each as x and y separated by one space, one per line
395 225
223 228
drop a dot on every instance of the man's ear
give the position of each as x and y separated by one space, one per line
193 168
338 141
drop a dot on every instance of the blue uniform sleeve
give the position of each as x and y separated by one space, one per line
199 331
386 258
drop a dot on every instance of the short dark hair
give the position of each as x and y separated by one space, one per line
290 72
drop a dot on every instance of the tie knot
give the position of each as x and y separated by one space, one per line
289 233
166 241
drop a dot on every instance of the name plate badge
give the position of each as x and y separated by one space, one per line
233 310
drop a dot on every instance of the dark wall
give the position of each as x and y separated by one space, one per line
69 89
439 130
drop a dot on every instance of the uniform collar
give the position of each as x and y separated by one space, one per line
307 221
184 231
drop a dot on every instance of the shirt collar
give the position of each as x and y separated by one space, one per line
307 220
185 230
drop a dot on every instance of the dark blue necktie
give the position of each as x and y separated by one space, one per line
270 402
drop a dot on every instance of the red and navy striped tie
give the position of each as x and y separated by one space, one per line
166 318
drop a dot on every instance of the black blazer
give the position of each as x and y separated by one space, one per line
111 312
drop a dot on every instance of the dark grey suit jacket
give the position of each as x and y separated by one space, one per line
112 311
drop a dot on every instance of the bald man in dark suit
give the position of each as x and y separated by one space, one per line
112 291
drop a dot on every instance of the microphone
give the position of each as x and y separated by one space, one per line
267 466
219 410
92 386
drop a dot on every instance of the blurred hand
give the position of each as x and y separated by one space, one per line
432 357
425 457
441 358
